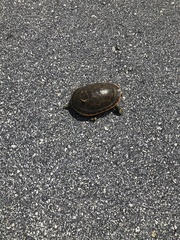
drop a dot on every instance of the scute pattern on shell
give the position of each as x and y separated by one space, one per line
95 98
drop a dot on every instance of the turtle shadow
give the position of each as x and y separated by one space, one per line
82 118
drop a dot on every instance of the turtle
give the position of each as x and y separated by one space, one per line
94 99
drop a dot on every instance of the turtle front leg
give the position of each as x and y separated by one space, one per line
118 109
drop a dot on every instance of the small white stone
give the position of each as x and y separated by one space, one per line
13 146
137 230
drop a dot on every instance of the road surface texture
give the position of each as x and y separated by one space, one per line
64 177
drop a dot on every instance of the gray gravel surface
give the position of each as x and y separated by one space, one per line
61 175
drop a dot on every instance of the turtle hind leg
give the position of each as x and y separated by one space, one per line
93 119
67 107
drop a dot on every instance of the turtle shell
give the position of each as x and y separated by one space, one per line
94 99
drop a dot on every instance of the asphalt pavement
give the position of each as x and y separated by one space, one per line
63 176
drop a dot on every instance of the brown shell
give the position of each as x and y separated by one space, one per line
94 99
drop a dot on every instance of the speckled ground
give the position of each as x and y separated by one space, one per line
61 175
